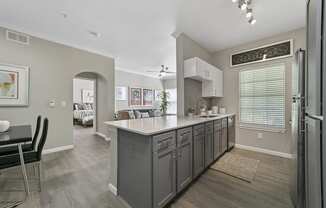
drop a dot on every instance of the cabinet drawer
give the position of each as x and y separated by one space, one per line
217 125
164 141
224 122
209 127
199 129
184 136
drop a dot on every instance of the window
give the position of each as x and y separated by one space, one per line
172 101
262 97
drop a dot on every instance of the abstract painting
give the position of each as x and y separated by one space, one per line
8 85
87 96
147 97
121 93
135 96
14 85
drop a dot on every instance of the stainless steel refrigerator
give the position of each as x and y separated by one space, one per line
309 145
298 143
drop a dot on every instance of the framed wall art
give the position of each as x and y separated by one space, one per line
121 93
135 96
14 85
147 97
87 96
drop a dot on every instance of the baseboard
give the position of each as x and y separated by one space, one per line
266 151
103 136
57 149
113 189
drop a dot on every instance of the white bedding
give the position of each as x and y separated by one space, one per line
84 115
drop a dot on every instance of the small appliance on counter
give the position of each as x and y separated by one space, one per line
203 112
215 109
223 110
4 126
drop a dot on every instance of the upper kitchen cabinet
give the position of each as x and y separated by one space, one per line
213 88
210 76
197 69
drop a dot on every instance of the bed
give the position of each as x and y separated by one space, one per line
83 114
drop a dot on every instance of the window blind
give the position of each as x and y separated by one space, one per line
262 97
172 101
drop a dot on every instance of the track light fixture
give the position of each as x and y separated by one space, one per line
252 21
244 5
249 13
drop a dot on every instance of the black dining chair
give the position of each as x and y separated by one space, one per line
33 157
26 147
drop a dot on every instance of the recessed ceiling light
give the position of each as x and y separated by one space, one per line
235 1
64 14
95 34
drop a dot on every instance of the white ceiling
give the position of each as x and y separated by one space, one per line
137 33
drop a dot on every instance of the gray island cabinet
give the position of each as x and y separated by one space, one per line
185 157
157 158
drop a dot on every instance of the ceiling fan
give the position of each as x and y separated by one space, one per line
163 72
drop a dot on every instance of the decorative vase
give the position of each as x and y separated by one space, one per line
4 126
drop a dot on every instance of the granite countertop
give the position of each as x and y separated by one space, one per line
155 125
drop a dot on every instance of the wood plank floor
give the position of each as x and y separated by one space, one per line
78 178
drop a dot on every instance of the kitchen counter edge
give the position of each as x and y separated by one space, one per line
198 120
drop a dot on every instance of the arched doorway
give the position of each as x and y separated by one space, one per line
87 103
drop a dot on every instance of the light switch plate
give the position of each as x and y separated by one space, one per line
52 103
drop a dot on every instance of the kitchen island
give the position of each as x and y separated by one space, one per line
154 159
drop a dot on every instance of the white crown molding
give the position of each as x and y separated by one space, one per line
265 151
167 77
135 72
176 34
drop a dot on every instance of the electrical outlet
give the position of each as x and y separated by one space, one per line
260 135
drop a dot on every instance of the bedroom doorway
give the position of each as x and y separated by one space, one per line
84 105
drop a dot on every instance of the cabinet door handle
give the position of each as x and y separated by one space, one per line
174 155
185 133
163 145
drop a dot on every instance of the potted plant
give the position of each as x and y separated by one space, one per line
164 102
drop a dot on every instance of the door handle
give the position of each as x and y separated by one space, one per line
316 117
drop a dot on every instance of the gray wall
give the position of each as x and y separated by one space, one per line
272 141
189 91
169 83
127 79
52 69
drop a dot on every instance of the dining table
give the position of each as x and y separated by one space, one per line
18 135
